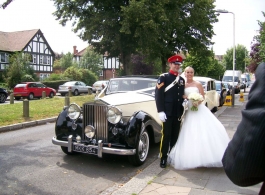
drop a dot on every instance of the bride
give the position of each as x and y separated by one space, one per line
202 139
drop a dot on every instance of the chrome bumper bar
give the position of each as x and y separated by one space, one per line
101 149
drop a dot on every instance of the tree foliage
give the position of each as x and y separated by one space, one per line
19 70
91 61
257 52
140 66
204 65
157 28
240 56
163 27
80 74
67 61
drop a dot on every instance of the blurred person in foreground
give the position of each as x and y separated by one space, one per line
244 158
169 98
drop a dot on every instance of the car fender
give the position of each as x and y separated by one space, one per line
138 123
63 126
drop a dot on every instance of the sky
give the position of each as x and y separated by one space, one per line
37 14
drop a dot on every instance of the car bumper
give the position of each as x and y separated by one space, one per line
99 147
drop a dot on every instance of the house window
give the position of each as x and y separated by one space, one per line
46 60
33 58
3 57
101 73
41 59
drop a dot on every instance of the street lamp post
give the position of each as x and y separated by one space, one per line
234 52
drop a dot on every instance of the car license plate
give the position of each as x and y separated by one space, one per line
85 149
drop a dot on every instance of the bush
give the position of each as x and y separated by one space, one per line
54 84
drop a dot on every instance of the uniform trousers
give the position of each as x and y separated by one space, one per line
170 133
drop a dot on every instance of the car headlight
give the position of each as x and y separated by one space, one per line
89 131
73 111
114 115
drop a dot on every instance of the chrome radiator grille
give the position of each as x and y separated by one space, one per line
95 115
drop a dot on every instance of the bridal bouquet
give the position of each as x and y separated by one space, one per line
195 98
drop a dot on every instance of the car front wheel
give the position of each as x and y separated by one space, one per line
51 95
141 150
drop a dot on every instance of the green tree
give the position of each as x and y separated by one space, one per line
73 73
257 53
203 65
240 56
88 76
54 77
19 69
158 28
66 61
91 61
79 74
163 27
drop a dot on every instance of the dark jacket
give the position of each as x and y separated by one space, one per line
244 158
170 101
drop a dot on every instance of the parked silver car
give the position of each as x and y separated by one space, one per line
99 85
76 87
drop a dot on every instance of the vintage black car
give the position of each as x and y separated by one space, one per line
123 122
3 95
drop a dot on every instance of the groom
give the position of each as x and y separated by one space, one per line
169 97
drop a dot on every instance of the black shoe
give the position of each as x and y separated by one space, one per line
163 163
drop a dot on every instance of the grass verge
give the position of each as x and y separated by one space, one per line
38 109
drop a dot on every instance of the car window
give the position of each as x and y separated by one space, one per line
83 84
31 85
40 85
131 85
20 85
218 86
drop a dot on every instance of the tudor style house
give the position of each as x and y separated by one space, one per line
109 67
32 42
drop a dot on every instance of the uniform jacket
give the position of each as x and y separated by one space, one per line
170 101
244 158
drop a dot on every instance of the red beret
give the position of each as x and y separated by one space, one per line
175 59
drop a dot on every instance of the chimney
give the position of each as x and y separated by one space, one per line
75 51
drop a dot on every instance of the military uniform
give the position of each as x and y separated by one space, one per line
169 102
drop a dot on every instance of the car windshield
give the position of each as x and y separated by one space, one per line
230 78
132 84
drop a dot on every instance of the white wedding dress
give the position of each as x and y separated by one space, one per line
202 139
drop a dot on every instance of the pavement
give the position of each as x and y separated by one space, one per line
154 180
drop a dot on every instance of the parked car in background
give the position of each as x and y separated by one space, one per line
246 79
3 95
228 88
32 90
211 97
221 90
99 85
76 87
238 84
122 122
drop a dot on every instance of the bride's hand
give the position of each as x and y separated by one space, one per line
195 103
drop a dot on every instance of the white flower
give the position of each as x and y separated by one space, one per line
195 98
